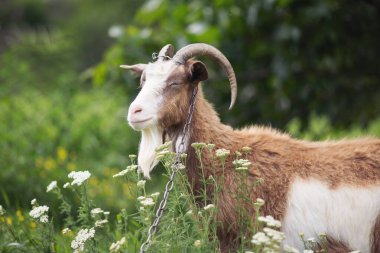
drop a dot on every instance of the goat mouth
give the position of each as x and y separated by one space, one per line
140 121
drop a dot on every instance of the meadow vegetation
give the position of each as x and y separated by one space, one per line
63 104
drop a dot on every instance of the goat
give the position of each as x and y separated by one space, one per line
312 187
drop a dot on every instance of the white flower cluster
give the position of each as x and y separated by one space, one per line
115 246
2 210
270 221
145 201
288 249
209 207
222 153
66 231
40 213
83 235
100 223
51 186
141 184
241 164
269 239
79 177
96 211
127 170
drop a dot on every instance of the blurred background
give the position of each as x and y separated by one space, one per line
307 67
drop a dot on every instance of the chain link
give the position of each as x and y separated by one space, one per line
170 184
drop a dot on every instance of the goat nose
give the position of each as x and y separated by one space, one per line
135 109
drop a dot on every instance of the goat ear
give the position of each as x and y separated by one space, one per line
137 68
198 72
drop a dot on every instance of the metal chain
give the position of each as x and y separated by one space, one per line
170 184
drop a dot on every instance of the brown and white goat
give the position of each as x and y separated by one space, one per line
330 187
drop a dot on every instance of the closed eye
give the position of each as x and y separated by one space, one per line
174 84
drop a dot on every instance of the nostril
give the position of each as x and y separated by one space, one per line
136 110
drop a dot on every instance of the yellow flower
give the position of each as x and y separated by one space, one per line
9 220
20 216
33 225
49 164
61 154
71 166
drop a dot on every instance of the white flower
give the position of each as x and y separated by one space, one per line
100 223
222 152
270 221
190 212
96 211
106 213
83 235
311 239
147 202
128 169
289 249
51 186
115 246
260 238
66 231
308 251
38 211
197 243
66 185
155 195
2 210
141 183
44 218
140 198
79 177
209 207
33 202
115 31
274 234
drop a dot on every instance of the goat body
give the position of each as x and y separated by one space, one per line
312 187
328 187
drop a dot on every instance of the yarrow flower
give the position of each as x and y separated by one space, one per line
83 235
270 221
66 231
197 243
155 195
141 183
33 202
221 153
274 234
147 202
2 210
79 177
51 186
96 211
39 212
100 223
127 170
66 185
115 246
260 239
209 207
242 164
259 203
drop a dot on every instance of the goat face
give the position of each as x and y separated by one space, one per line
165 90
166 87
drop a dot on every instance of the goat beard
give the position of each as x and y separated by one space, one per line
151 138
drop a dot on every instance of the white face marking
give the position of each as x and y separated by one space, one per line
150 96
347 213
149 100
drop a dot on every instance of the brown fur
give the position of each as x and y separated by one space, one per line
375 239
276 158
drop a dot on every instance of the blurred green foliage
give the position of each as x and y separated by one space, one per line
310 67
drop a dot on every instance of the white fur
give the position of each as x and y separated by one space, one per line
347 213
149 100
151 138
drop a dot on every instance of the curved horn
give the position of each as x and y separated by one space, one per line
165 52
196 49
